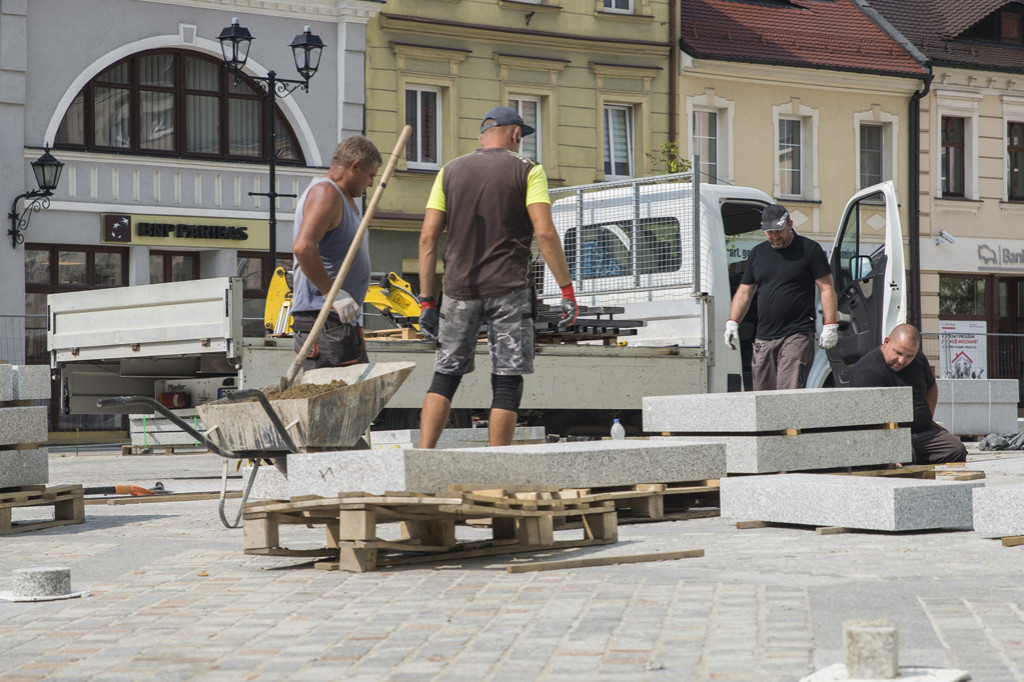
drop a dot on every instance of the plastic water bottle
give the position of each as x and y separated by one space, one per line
618 432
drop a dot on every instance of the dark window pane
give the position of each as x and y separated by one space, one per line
251 271
37 266
119 73
71 267
284 144
202 75
244 128
157 122
109 272
113 118
72 126
157 70
156 269
961 296
182 267
202 120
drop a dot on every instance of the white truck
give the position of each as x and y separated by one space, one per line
631 245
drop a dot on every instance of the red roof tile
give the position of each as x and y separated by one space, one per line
934 26
821 34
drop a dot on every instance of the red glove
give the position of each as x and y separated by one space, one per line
570 310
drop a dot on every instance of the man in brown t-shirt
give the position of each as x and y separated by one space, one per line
491 202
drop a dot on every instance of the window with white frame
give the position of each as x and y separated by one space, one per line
872 154
791 157
423 113
956 141
705 143
529 109
625 6
618 141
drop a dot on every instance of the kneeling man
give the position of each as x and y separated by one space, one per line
900 362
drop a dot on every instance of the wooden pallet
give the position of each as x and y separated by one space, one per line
641 502
68 502
520 522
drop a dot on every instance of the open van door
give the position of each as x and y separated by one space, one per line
869 278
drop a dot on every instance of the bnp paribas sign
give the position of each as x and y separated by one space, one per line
184 231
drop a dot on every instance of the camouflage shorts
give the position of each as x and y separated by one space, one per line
509 333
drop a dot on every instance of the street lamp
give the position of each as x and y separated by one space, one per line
47 171
306 50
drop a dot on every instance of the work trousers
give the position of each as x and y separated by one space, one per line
937 446
782 363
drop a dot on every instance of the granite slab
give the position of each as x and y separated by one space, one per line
21 425
999 509
452 438
862 502
24 467
977 406
24 382
586 464
758 411
761 454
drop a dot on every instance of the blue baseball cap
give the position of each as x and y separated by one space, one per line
504 116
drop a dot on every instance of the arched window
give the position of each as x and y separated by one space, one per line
174 103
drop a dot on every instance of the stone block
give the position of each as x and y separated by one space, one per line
871 649
154 431
452 438
24 467
977 406
22 425
24 382
759 411
270 483
863 502
999 510
587 464
761 454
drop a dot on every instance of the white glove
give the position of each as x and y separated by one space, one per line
732 333
346 307
829 336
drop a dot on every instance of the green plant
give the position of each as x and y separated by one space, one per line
667 159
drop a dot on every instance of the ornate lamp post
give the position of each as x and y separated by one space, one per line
306 50
47 170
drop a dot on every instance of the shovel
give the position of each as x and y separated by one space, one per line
321 319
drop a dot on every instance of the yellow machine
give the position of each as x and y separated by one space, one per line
392 296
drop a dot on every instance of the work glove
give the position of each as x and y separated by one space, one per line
829 336
732 333
346 307
570 310
429 318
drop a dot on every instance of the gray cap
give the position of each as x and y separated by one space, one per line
504 116
774 217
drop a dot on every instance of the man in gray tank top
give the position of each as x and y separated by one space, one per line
326 221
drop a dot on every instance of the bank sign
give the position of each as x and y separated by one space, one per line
993 256
181 231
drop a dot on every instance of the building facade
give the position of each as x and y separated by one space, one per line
161 146
805 100
592 76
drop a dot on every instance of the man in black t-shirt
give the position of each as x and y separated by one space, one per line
900 362
784 271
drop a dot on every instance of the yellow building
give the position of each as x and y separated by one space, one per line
592 76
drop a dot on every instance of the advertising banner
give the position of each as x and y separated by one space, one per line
963 349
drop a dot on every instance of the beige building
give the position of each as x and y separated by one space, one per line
807 101
972 172
592 76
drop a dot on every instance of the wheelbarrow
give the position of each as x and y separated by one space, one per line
326 409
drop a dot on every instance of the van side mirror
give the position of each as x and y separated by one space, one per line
860 267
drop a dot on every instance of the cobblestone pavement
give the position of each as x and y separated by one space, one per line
173 597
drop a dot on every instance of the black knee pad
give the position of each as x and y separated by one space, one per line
445 384
507 392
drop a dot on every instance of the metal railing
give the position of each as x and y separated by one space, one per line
977 356
21 337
